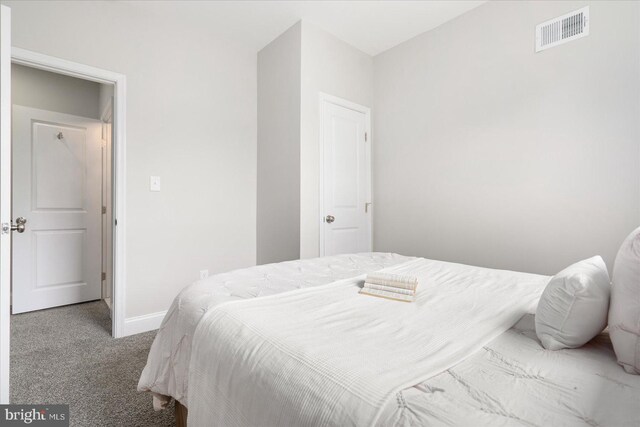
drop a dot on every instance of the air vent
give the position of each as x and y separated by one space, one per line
563 29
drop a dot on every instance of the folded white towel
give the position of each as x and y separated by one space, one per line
395 280
388 295
389 289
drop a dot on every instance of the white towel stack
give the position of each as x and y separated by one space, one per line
391 286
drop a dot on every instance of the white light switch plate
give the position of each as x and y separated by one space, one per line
154 183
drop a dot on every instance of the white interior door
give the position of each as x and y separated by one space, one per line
57 160
5 198
346 179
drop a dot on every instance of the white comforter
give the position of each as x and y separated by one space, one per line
166 372
514 381
330 356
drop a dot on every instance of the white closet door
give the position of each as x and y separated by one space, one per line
346 183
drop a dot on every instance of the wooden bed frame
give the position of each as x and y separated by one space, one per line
181 415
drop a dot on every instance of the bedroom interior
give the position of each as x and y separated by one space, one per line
337 213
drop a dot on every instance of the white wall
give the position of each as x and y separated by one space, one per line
278 219
334 67
54 92
191 118
488 153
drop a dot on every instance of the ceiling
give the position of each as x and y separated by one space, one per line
371 26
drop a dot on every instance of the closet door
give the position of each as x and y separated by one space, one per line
346 179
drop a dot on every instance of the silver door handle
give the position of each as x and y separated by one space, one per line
329 219
19 226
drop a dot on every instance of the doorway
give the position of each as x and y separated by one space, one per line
61 155
345 177
111 118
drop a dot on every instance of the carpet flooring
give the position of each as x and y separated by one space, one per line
67 355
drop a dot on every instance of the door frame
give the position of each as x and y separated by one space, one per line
61 66
107 117
326 98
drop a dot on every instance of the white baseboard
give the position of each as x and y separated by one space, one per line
144 323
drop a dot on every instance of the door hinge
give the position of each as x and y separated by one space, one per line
366 207
104 209
104 276
365 137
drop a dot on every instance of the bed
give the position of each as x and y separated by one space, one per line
508 380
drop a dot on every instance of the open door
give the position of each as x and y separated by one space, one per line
5 198
56 191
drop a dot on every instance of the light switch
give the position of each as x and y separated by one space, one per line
154 183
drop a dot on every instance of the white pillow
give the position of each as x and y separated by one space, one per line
624 313
573 307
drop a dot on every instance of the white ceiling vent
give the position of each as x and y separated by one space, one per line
562 29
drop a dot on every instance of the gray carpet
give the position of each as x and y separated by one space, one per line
67 355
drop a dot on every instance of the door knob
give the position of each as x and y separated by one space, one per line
330 218
19 226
